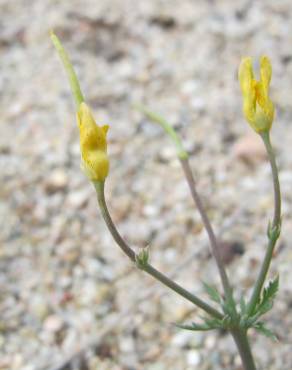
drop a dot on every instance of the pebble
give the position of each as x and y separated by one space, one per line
77 199
182 338
56 181
193 358
127 345
168 153
39 307
53 323
249 149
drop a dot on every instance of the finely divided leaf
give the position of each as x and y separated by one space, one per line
209 324
194 327
262 329
271 290
268 296
242 305
212 293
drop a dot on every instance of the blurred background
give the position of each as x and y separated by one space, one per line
69 298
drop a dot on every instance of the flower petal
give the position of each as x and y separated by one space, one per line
266 73
247 84
93 145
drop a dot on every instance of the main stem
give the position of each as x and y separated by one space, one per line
275 224
241 341
99 186
213 240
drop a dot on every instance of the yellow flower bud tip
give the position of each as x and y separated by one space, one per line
258 109
93 144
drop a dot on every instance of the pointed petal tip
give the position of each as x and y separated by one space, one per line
105 128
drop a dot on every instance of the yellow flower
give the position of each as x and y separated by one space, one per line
257 106
93 145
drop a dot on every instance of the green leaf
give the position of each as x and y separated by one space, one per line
264 307
226 321
250 321
268 296
209 324
271 290
274 232
142 258
242 305
214 323
262 329
212 293
194 327
228 308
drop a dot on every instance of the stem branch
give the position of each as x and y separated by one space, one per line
213 241
99 187
275 227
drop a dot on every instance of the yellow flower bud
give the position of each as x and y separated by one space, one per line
257 106
93 145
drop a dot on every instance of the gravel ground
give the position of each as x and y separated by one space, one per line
69 298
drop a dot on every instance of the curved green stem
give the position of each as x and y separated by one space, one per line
274 228
155 117
276 183
99 187
183 157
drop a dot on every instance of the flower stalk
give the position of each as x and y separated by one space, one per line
211 235
274 228
147 267
184 160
